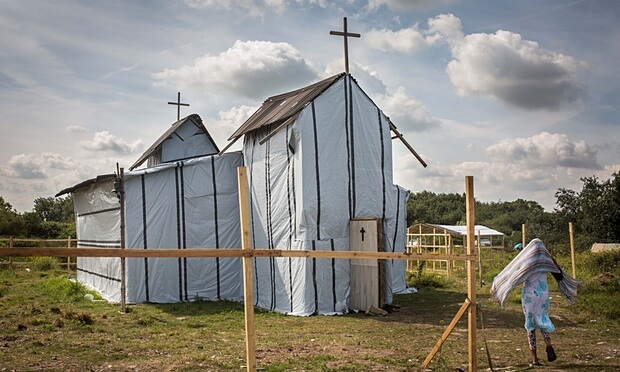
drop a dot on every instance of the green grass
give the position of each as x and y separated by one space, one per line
46 323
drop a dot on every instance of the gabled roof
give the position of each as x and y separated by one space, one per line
86 184
193 117
283 109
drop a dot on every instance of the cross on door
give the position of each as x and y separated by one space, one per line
178 104
363 231
346 36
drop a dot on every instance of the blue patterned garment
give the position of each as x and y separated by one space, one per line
535 303
533 259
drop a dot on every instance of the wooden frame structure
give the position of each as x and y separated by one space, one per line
432 238
247 252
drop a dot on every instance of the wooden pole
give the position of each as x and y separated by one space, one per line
10 258
68 257
248 279
434 245
572 248
523 235
445 242
121 199
479 259
471 272
409 247
446 333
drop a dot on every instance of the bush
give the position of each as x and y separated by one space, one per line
606 262
44 263
62 289
421 279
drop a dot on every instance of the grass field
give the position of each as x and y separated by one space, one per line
46 324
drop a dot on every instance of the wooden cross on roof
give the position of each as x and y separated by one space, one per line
178 104
346 36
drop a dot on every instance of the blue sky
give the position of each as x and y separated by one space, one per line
522 95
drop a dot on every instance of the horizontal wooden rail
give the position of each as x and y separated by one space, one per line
211 252
37 240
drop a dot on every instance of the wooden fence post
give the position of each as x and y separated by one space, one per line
121 200
11 257
471 272
572 248
523 235
248 279
69 258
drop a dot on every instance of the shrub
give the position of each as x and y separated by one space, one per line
44 263
606 262
421 279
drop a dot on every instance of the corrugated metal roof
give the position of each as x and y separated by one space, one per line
284 107
85 184
194 117
455 230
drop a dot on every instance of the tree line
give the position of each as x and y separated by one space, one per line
50 218
594 212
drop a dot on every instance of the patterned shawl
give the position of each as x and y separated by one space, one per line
534 258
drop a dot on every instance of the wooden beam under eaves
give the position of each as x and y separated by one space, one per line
404 141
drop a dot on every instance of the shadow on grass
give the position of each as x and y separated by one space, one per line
201 307
436 306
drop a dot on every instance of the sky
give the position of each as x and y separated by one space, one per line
522 95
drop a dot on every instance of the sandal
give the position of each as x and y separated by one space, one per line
551 353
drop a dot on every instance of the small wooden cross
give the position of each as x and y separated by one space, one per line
346 36
178 104
363 231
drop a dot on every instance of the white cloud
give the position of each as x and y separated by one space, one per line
227 122
252 7
532 168
407 112
544 150
75 129
250 68
448 26
36 166
105 141
368 79
405 40
516 71
119 71
503 66
403 5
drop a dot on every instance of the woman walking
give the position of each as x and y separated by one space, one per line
530 267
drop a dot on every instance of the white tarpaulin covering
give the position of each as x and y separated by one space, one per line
332 164
97 211
188 204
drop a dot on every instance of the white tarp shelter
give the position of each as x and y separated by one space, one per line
317 158
179 202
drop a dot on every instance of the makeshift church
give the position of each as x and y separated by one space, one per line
319 159
185 198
